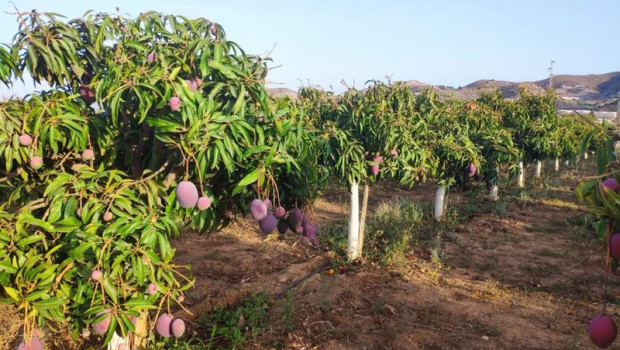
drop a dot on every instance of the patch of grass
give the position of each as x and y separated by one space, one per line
584 226
488 330
556 202
288 308
335 235
389 233
327 285
224 328
500 208
523 196
390 230
471 209
571 343
193 343
550 253
236 324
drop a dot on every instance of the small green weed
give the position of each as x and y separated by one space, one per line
550 253
390 230
288 312
500 208
224 328
233 325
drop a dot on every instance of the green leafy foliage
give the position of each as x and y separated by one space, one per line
532 120
598 193
158 99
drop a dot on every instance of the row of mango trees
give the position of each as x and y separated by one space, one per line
386 131
152 125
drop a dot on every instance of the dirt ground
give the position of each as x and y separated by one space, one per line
523 273
526 275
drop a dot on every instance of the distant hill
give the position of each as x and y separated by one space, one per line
572 89
281 92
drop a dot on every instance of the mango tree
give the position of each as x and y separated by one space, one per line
496 144
366 137
386 116
485 119
568 136
342 153
601 196
532 119
453 156
150 124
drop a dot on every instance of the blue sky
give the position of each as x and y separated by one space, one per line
440 42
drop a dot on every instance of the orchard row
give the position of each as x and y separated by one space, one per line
156 123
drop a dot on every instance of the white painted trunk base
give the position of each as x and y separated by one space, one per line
117 341
567 162
494 193
521 180
585 155
556 166
354 222
362 228
440 196
538 169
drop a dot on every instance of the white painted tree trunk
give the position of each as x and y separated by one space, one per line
362 228
585 155
354 223
440 196
538 169
567 162
557 164
494 192
521 180
116 341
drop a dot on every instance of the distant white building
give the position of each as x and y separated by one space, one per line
600 115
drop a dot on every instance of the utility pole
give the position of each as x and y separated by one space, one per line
550 69
618 112
617 127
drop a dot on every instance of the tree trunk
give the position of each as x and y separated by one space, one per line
363 219
440 196
445 199
538 169
567 162
352 246
494 192
557 164
142 331
585 155
494 188
116 341
521 180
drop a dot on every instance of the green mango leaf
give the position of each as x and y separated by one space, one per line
24 242
48 304
110 289
12 293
